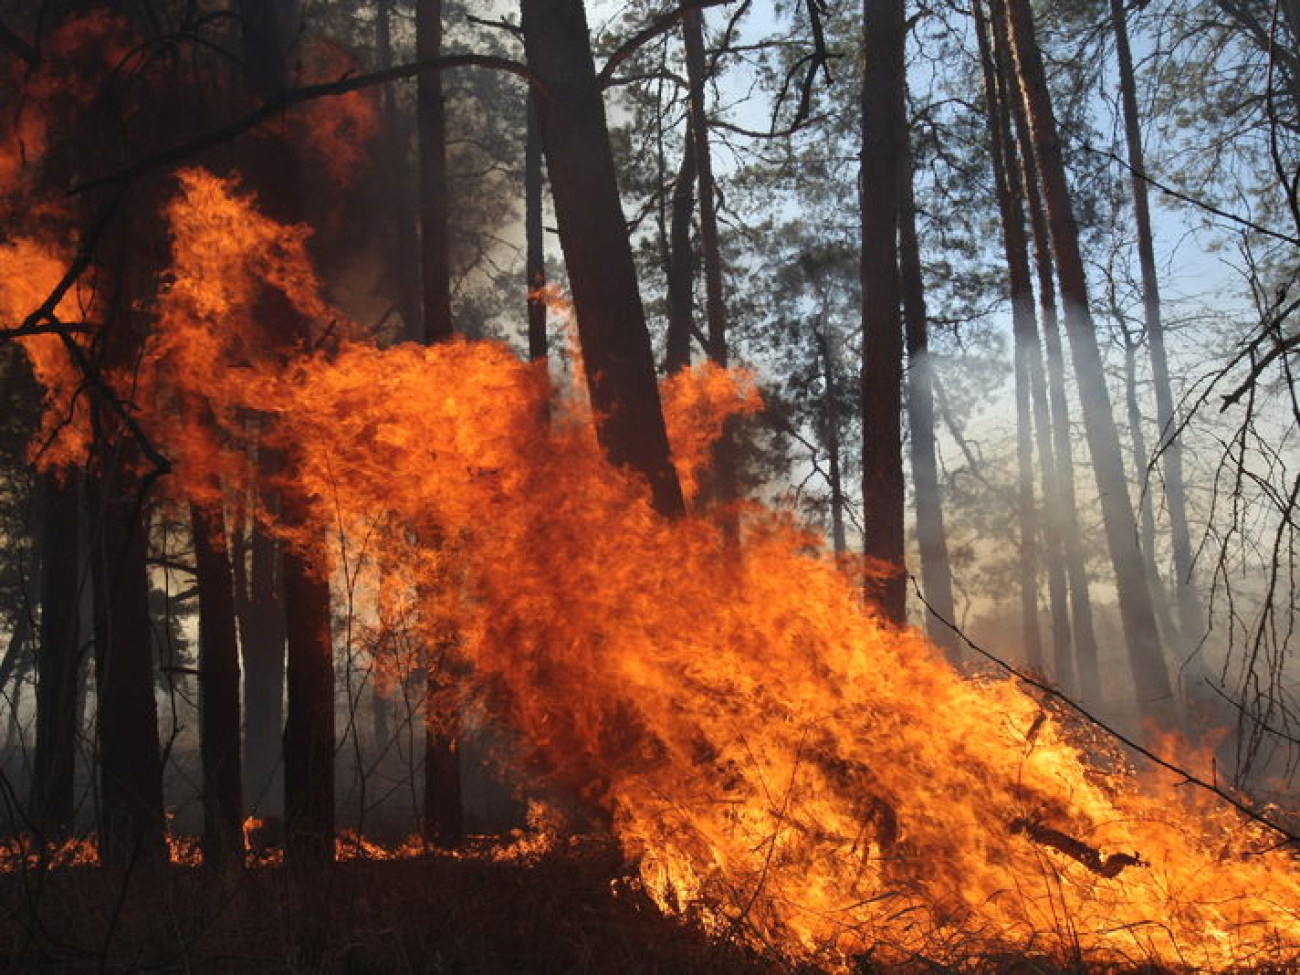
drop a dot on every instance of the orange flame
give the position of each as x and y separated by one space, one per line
777 761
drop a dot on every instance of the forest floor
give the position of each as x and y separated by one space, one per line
560 912
574 910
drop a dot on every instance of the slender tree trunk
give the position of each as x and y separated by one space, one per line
1028 362
931 536
831 438
681 264
404 254
1141 463
435 266
1146 658
722 487
442 820
1169 445
58 660
534 236
1058 477
616 350
1025 337
884 143
219 710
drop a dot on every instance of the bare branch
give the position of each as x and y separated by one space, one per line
649 33
290 97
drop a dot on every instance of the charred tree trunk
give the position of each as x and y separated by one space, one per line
884 144
308 745
59 657
260 610
309 718
130 764
617 353
1150 675
534 237
1170 448
931 537
219 710
442 820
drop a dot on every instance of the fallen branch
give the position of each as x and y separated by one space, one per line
1075 849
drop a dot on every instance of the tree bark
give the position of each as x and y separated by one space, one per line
404 253
1058 477
219 710
931 536
309 718
831 439
58 659
260 608
534 237
130 764
1190 616
616 350
681 264
1146 658
442 820
308 745
435 264
884 136
1025 337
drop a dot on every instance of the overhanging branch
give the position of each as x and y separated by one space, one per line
291 97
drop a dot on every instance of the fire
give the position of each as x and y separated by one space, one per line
778 763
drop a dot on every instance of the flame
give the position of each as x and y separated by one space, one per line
778 763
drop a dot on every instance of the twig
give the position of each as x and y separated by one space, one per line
1189 777
649 33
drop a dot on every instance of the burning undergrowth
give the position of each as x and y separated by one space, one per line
780 766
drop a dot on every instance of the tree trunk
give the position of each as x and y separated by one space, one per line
130 764
1025 337
260 610
442 804
1170 447
219 711
681 264
435 266
931 537
1146 658
534 236
308 746
831 439
58 660
1058 477
616 350
722 488
309 719
404 254
884 142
